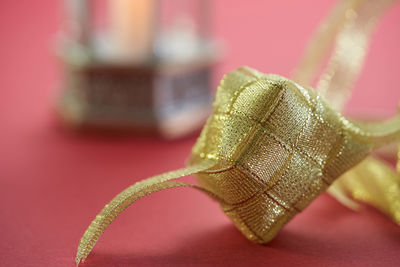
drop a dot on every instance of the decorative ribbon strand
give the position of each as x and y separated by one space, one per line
349 27
130 195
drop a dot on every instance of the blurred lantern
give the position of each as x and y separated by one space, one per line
137 64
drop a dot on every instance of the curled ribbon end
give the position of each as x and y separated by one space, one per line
78 261
81 255
127 197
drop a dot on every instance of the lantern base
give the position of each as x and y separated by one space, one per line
170 101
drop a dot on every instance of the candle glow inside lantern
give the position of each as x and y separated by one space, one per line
137 64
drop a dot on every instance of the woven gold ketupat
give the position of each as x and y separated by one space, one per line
272 146
277 156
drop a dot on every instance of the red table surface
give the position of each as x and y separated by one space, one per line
53 183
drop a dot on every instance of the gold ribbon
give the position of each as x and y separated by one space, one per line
268 150
133 193
349 27
372 182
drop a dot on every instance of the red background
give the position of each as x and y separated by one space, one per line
53 183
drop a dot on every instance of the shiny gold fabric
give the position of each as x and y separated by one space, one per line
282 145
349 28
372 182
130 195
268 150
270 147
